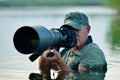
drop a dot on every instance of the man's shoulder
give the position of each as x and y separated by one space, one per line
91 48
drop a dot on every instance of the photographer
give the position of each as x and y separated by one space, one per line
85 55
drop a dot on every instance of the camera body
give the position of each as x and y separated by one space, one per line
36 39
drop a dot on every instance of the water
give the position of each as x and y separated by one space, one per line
16 66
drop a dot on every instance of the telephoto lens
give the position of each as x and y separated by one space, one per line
36 39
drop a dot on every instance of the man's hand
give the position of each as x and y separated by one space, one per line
58 61
49 61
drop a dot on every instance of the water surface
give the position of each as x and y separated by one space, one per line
16 66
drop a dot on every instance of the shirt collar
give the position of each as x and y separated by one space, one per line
89 40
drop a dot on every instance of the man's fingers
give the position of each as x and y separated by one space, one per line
45 53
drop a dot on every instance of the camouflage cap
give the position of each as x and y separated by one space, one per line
76 20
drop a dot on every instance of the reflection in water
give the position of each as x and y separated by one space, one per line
87 75
114 33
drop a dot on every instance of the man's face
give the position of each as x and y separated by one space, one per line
82 35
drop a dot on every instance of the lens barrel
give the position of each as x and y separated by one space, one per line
36 39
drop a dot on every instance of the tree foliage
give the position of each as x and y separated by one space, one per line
113 3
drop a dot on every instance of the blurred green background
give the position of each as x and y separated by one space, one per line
114 31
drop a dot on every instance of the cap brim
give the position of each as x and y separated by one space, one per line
72 24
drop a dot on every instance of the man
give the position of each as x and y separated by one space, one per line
85 55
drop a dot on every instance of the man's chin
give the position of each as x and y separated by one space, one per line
78 47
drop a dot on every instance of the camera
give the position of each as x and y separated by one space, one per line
36 39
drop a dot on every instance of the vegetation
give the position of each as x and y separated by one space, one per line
113 3
114 33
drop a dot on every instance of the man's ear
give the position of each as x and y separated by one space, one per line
88 28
